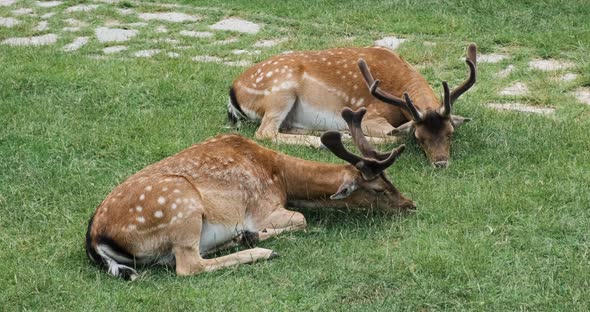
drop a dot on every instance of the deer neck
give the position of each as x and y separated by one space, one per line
421 93
310 180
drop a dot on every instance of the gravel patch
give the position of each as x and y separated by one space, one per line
48 4
491 58
550 65
76 44
8 22
31 41
236 24
521 108
196 34
105 34
114 49
173 17
82 8
583 95
390 42
516 89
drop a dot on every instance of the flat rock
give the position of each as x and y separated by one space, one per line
550 65
226 41
48 4
196 34
105 34
82 8
114 49
583 95
71 29
8 21
240 52
31 41
161 29
236 24
173 54
568 77
390 42
516 89
75 23
41 26
268 43
47 15
207 59
7 2
174 17
146 53
127 11
491 58
23 11
522 108
240 63
76 44
505 72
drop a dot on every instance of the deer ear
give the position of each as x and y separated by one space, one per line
345 190
404 129
458 120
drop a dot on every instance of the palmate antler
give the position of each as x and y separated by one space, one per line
373 162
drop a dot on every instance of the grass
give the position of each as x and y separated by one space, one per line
504 228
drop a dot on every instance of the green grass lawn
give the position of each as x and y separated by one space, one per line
506 227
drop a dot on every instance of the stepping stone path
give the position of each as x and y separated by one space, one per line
105 34
8 22
504 73
516 89
236 24
549 65
583 95
146 53
23 11
7 2
196 34
76 44
82 8
169 17
268 43
114 49
491 58
32 41
48 4
390 42
568 77
42 26
521 108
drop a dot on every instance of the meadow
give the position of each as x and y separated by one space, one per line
505 227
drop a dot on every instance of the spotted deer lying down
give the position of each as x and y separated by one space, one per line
307 90
229 190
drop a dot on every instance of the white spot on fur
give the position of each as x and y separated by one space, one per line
174 206
158 214
138 208
142 197
140 219
161 200
148 188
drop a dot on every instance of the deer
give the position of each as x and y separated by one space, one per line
229 191
293 94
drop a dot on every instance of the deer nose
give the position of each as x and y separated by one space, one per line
441 164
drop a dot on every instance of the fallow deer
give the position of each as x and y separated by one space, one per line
307 90
229 190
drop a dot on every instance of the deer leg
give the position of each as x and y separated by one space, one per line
281 220
189 260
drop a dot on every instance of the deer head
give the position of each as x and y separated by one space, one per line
433 129
367 185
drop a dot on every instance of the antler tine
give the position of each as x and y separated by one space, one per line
354 119
446 99
413 110
373 86
369 168
471 61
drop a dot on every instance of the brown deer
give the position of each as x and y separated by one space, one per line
229 190
292 92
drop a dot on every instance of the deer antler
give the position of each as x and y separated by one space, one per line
373 162
384 96
471 61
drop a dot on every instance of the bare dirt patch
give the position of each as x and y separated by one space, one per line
521 108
